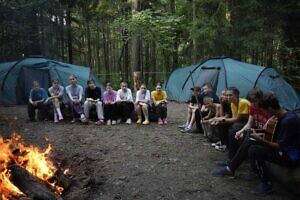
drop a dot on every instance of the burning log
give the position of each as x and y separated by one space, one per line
30 185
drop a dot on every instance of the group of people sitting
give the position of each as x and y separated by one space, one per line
111 107
256 128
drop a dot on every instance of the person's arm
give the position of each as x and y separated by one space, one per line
258 138
68 90
118 98
80 95
30 97
129 97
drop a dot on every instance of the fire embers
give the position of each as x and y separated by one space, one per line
26 170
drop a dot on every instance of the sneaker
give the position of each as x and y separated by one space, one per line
99 122
73 120
160 122
113 122
222 163
262 188
186 130
60 118
146 122
165 121
119 121
216 144
84 120
183 126
221 148
128 121
139 121
108 122
223 171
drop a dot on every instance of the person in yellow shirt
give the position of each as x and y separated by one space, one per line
240 114
159 98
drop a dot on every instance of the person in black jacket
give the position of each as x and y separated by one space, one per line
93 98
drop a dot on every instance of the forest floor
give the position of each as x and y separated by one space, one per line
131 162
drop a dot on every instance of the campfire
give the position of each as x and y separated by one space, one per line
27 171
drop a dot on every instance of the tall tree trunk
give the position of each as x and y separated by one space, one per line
153 61
69 29
136 51
89 53
175 42
105 33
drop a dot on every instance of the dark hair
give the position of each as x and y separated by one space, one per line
109 84
234 90
255 95
90 80
55 80
269 100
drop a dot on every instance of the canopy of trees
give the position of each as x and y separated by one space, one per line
117 37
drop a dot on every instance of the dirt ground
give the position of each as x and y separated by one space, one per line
131 162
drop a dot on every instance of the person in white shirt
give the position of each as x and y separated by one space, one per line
125 104
142 104
56 97
75 94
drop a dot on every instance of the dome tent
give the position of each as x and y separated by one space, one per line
16 77
223 72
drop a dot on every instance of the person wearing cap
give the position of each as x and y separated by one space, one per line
192 108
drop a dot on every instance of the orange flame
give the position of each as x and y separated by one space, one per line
32 159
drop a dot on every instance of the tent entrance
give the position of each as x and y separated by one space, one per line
28 75
208 75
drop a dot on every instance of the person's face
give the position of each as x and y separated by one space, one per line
204 89
222 97
36 85
108 88
143 88
91 85
73 80
158 88
230 96
124 87
55 83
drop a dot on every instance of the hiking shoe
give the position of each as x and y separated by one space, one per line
146 122
222 163
183 126
113 122
128 121
160 122
216 144
139 121
223 171
108 122
262 189
165 121
221 148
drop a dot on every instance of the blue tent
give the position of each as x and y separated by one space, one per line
223 72
16 77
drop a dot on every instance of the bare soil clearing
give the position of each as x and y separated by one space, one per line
133 161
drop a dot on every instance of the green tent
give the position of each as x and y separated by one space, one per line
223 72
16 77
